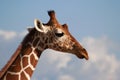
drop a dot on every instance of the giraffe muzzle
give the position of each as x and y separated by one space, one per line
82 54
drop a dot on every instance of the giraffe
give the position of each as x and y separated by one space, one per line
50 35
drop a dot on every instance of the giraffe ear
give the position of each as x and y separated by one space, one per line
38 25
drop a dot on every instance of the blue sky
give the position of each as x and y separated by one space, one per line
94 23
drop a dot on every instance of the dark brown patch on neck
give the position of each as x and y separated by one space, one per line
38 52
29 37
35 42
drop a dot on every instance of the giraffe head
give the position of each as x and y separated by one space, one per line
58 37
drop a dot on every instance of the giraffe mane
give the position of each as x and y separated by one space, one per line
12 59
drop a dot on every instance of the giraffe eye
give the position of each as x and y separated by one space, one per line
59 34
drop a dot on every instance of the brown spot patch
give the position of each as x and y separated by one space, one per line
29 71
15 67
25 61
12 77
23 77
38 52
36 42
33 61
41 44
27 51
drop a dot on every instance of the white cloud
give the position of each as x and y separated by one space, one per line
102 61
65 77
23 33
61 59
7 35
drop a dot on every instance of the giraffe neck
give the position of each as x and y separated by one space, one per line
24 65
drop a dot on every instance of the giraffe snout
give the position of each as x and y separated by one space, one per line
83 54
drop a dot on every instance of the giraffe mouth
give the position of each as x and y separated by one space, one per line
83 55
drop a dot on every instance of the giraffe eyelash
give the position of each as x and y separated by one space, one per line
59 34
